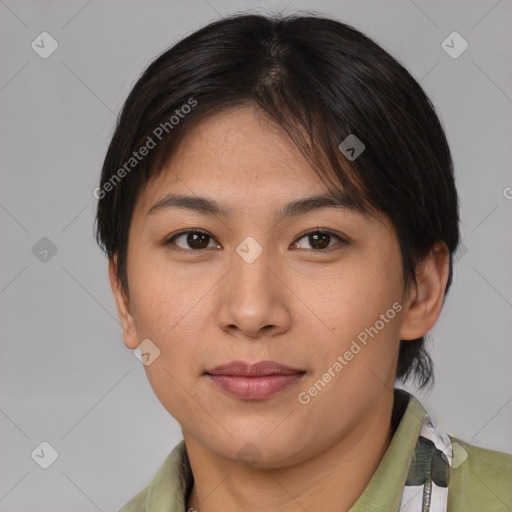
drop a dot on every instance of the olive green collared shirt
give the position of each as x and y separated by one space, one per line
480 482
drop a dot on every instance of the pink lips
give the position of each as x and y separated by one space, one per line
254 381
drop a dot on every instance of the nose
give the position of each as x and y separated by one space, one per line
254 300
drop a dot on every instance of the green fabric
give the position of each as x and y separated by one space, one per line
480 481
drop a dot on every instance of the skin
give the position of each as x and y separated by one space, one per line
295 304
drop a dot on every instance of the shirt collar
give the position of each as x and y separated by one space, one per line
385 488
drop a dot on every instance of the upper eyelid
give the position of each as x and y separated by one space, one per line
343 239
323 231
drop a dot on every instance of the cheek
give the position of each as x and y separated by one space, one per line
167 312
351 297
161 295
168 307
360 306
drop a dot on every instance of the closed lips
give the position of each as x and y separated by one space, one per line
261 368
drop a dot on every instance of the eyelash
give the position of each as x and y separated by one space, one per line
170 240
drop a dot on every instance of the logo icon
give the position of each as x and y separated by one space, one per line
454 45
44 455
44 250
459 455
351 147
249 454
461 252
146 352
44 45
249 249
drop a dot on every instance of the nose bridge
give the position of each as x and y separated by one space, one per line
252 267
252 299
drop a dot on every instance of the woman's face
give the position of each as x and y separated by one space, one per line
254 286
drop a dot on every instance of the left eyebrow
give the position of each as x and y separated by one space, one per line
340 200
194 203
300 207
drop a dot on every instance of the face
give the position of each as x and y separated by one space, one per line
318 290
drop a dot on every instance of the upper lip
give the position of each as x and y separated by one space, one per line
243 369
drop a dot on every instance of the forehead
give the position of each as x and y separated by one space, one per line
240 150
242 142
240 161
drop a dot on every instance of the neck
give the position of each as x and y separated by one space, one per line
332 480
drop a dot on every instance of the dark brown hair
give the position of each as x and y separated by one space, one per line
321 80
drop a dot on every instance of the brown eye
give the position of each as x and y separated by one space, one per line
190 240
319 240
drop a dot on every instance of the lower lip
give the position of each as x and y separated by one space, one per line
255 388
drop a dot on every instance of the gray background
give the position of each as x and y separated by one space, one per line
66 377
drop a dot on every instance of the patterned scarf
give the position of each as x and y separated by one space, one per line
426 487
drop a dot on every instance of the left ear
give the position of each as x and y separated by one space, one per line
425 300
